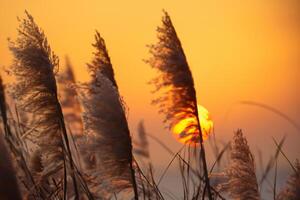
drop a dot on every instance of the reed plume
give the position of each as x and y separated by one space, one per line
292 188
101 60
107 148
35 91
176 83
108 139
241 183
68 99
141 147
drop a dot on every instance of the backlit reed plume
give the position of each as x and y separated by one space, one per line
107 150
292 188
101 60
34 68
68 99
178 101
241 182
141 146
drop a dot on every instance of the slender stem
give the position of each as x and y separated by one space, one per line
69 155
275 181
194 171
65 185
9 136
202 157
134 184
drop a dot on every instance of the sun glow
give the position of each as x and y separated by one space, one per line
186 131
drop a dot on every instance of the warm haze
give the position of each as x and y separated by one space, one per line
237 51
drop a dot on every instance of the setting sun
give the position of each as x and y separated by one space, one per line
186 132
99 99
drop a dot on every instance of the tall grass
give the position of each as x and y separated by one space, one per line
178 101
9 188
68 98
292 189
35 91
36 158
107 148
241 182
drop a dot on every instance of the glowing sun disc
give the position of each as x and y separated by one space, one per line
190 135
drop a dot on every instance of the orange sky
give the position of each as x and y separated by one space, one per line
237 50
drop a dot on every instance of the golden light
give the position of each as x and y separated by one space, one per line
186 131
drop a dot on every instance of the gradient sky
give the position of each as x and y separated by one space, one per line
237 50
